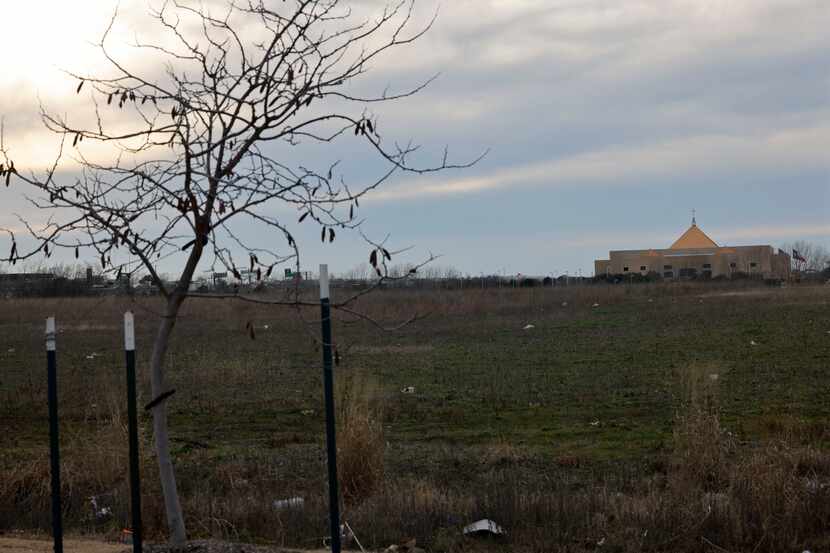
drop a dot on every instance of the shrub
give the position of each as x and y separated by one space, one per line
360 439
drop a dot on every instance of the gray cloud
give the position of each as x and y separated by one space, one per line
592 94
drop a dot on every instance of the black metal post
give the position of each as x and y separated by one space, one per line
328 384
135 479
54 441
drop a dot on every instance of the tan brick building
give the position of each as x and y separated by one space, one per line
696 255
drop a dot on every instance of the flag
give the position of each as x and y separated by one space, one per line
797 256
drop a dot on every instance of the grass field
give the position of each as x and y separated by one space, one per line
666 418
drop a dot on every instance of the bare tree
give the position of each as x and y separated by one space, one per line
816 257
199 162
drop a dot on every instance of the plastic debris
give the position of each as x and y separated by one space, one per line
753 343
595 305
307 412
408 546
528 327
564 304
289 503
484 526
346 536
594 423
601 542
102 512
408 390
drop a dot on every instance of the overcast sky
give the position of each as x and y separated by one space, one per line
607 122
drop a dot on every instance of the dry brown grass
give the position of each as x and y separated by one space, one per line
702 447
360 438
769 499
703 487
94 462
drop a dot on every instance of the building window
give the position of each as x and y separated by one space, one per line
625 269
732 265
668 274
643 267
667 267
707 265
753 264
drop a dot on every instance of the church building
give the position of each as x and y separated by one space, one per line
695 255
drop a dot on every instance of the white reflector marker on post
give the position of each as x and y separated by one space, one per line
129 331
50 334
324 282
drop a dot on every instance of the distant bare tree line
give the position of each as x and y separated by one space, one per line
817 256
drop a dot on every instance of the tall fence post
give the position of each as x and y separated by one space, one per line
328 384
135 480
54 441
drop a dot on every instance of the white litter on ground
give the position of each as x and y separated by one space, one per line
528 327
408 390
484 525
289 503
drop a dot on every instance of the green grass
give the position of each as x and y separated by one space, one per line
587 387
477 378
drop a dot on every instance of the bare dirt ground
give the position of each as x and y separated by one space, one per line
29 545
20 545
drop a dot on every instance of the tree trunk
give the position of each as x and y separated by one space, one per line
175 519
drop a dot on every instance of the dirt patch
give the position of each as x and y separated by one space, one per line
213 546
90 327
20 545
378 350
739 294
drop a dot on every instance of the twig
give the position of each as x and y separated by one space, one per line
719 548
357 541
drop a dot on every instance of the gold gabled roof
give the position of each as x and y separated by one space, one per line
693 238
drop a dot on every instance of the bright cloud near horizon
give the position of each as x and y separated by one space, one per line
606 123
